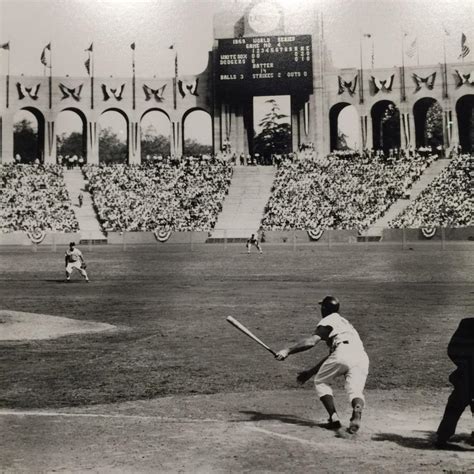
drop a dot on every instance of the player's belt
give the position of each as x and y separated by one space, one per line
338 344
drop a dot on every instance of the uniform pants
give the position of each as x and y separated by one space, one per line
461 396
352 363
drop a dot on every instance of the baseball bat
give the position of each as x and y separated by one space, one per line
248 333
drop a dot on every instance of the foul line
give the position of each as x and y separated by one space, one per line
103 415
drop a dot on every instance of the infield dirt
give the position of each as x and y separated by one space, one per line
172 347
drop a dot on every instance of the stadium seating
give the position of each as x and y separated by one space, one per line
34 197
340 191
447 202
181 195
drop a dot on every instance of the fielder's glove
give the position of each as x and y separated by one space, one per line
84 265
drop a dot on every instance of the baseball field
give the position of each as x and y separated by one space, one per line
164 384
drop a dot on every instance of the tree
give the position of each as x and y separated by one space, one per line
275 136
390 128
26 141
194 148
111 148
342 141
72 144
434 125
154 143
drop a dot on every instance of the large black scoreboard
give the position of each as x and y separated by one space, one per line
264 65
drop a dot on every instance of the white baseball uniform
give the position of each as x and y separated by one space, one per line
74 259
347 357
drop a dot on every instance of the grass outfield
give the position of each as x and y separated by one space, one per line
170 305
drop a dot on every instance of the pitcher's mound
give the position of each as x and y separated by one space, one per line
17 326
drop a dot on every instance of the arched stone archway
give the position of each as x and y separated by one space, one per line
113 136
385 125
343 123
71 134
28 135
465 116
197 132
155 134
428 118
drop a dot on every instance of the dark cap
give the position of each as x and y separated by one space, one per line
330 303
72 244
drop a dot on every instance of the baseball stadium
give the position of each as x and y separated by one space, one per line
246 249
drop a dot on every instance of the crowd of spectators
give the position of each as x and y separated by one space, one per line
447 202
177 194
344 190
35 197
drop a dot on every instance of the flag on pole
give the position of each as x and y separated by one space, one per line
87 62
411 50
5 46
46 58
132 46
465 49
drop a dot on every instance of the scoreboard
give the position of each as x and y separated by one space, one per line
264 65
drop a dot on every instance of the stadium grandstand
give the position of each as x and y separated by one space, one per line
447 202
341 191
35 196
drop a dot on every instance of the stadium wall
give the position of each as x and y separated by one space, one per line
273 237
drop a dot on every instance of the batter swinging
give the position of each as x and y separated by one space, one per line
347 357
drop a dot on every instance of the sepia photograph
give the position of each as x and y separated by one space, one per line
236 236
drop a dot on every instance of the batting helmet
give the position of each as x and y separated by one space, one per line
330 304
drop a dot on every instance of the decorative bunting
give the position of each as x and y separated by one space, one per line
31 92
74 93
36 235
156 93
347 86
188 88
428 232
162 234
116 93
383 85
315 234
428 81
464 78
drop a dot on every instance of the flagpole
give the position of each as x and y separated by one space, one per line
92 76
175 77
403 68
445 74
50 76
8 74
361 86
133 75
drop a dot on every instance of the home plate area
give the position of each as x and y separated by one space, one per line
277 431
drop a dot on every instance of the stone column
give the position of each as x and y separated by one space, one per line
49 150
7 138
92 142
134 148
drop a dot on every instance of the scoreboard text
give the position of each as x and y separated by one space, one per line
265 65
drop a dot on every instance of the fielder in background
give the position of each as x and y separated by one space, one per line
75 260
347 357
461 352
253 241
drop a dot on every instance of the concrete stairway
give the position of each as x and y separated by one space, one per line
89 226
375 231
243 207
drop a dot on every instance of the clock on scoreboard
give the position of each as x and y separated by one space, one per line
264 65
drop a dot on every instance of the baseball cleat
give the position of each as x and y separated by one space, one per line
333 424
355 422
